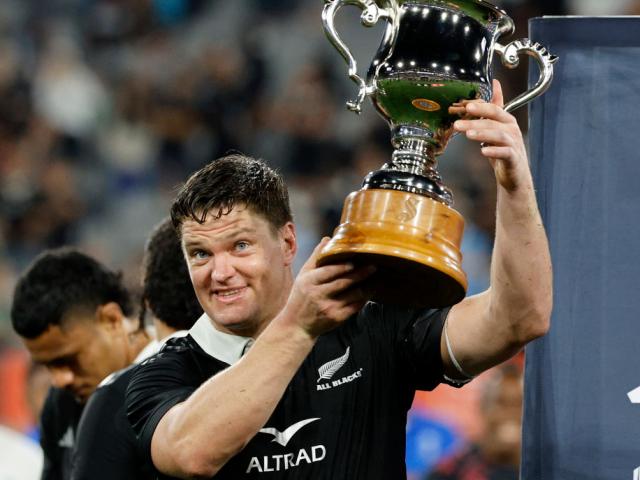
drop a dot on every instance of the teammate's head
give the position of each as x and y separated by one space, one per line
229 182
166 287
71 313
501 408
239 241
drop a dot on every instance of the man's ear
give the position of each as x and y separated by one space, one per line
110 317
289 242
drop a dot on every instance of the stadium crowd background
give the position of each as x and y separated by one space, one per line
107 105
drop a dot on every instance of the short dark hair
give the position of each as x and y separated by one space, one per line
166 286
58 281
228 181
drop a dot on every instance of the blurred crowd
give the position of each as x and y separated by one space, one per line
106 106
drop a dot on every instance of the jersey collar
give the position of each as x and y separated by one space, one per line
223 346
154 346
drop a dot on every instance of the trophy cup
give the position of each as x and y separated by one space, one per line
434 54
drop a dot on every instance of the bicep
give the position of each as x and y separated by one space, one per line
162 446
152 399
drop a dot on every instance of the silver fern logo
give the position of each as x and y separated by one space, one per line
329 369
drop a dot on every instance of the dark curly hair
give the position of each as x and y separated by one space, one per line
228 181
166 286
58 281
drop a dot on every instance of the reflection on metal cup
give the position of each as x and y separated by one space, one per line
435 56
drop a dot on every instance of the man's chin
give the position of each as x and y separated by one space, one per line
236 326
82 396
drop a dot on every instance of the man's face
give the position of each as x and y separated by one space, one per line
240 268
503 418
81 352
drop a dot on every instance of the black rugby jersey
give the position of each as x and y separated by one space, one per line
344 413
106 447
58 425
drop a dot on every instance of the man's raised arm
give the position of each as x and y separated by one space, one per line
488 328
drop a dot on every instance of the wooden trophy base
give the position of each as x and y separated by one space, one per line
413 240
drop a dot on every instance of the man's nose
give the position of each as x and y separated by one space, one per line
61 377
222 268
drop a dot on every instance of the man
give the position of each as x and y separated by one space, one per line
496 455
304 379
106 447
73 316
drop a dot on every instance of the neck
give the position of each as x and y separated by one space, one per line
137 341
162 329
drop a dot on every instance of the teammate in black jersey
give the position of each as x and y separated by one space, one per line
73 315
106 447
304 379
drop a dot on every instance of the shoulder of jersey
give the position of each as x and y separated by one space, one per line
177 344
115 376
173 346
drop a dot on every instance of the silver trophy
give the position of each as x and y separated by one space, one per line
434 55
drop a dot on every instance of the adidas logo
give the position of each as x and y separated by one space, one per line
68 439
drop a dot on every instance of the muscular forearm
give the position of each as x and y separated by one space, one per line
488 328
197 437
521 276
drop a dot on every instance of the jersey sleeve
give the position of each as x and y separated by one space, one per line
418 335
106 446
157 385
52 466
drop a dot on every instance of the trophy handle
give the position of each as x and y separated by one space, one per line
510 59
371 13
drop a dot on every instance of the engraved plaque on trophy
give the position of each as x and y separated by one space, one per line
434 54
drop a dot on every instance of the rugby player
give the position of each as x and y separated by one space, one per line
306 379
76 318
106 447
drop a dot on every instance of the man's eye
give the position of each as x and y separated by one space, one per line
200 254
61 362
240 246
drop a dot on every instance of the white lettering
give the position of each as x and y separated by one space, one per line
266 465
303 455
288 461
347 379
340 381
315 455
276 463
254 463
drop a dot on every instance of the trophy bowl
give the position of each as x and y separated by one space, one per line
434 55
